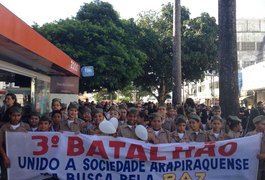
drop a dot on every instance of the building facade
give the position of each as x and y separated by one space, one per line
250 49
31 67
250 41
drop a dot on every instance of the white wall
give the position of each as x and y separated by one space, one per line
254 77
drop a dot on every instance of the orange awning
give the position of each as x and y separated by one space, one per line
23 46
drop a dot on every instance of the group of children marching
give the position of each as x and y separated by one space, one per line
163 126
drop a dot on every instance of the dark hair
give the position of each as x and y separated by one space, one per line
142 114
14 109
233 124
13 96
180 120
84 109
218 118
46 117
180 110
73 105
132 111
182 117
154 115
216 108
259 103
56 100
56 112
189 103
34 113
63 106
170 107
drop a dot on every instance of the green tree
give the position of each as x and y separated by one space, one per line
156 42
134 93
98 37
103 94
199 49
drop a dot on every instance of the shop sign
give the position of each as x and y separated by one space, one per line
64 84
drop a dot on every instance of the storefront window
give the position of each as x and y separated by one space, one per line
42 96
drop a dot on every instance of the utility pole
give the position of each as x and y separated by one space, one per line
176 61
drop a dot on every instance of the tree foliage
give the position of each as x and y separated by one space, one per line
98 37
199 48
123 51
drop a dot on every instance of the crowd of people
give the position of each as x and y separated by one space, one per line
189 122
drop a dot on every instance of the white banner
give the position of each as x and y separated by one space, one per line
37 155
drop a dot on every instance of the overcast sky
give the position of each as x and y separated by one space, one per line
43 11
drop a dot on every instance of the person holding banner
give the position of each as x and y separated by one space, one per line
33 121
216 133
114 112
259 122
157 134
235 127
98 117
196 134
128 130
143 119
85 115
14 125
180 134
56 120
167 122
123 115
45 123
72 123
